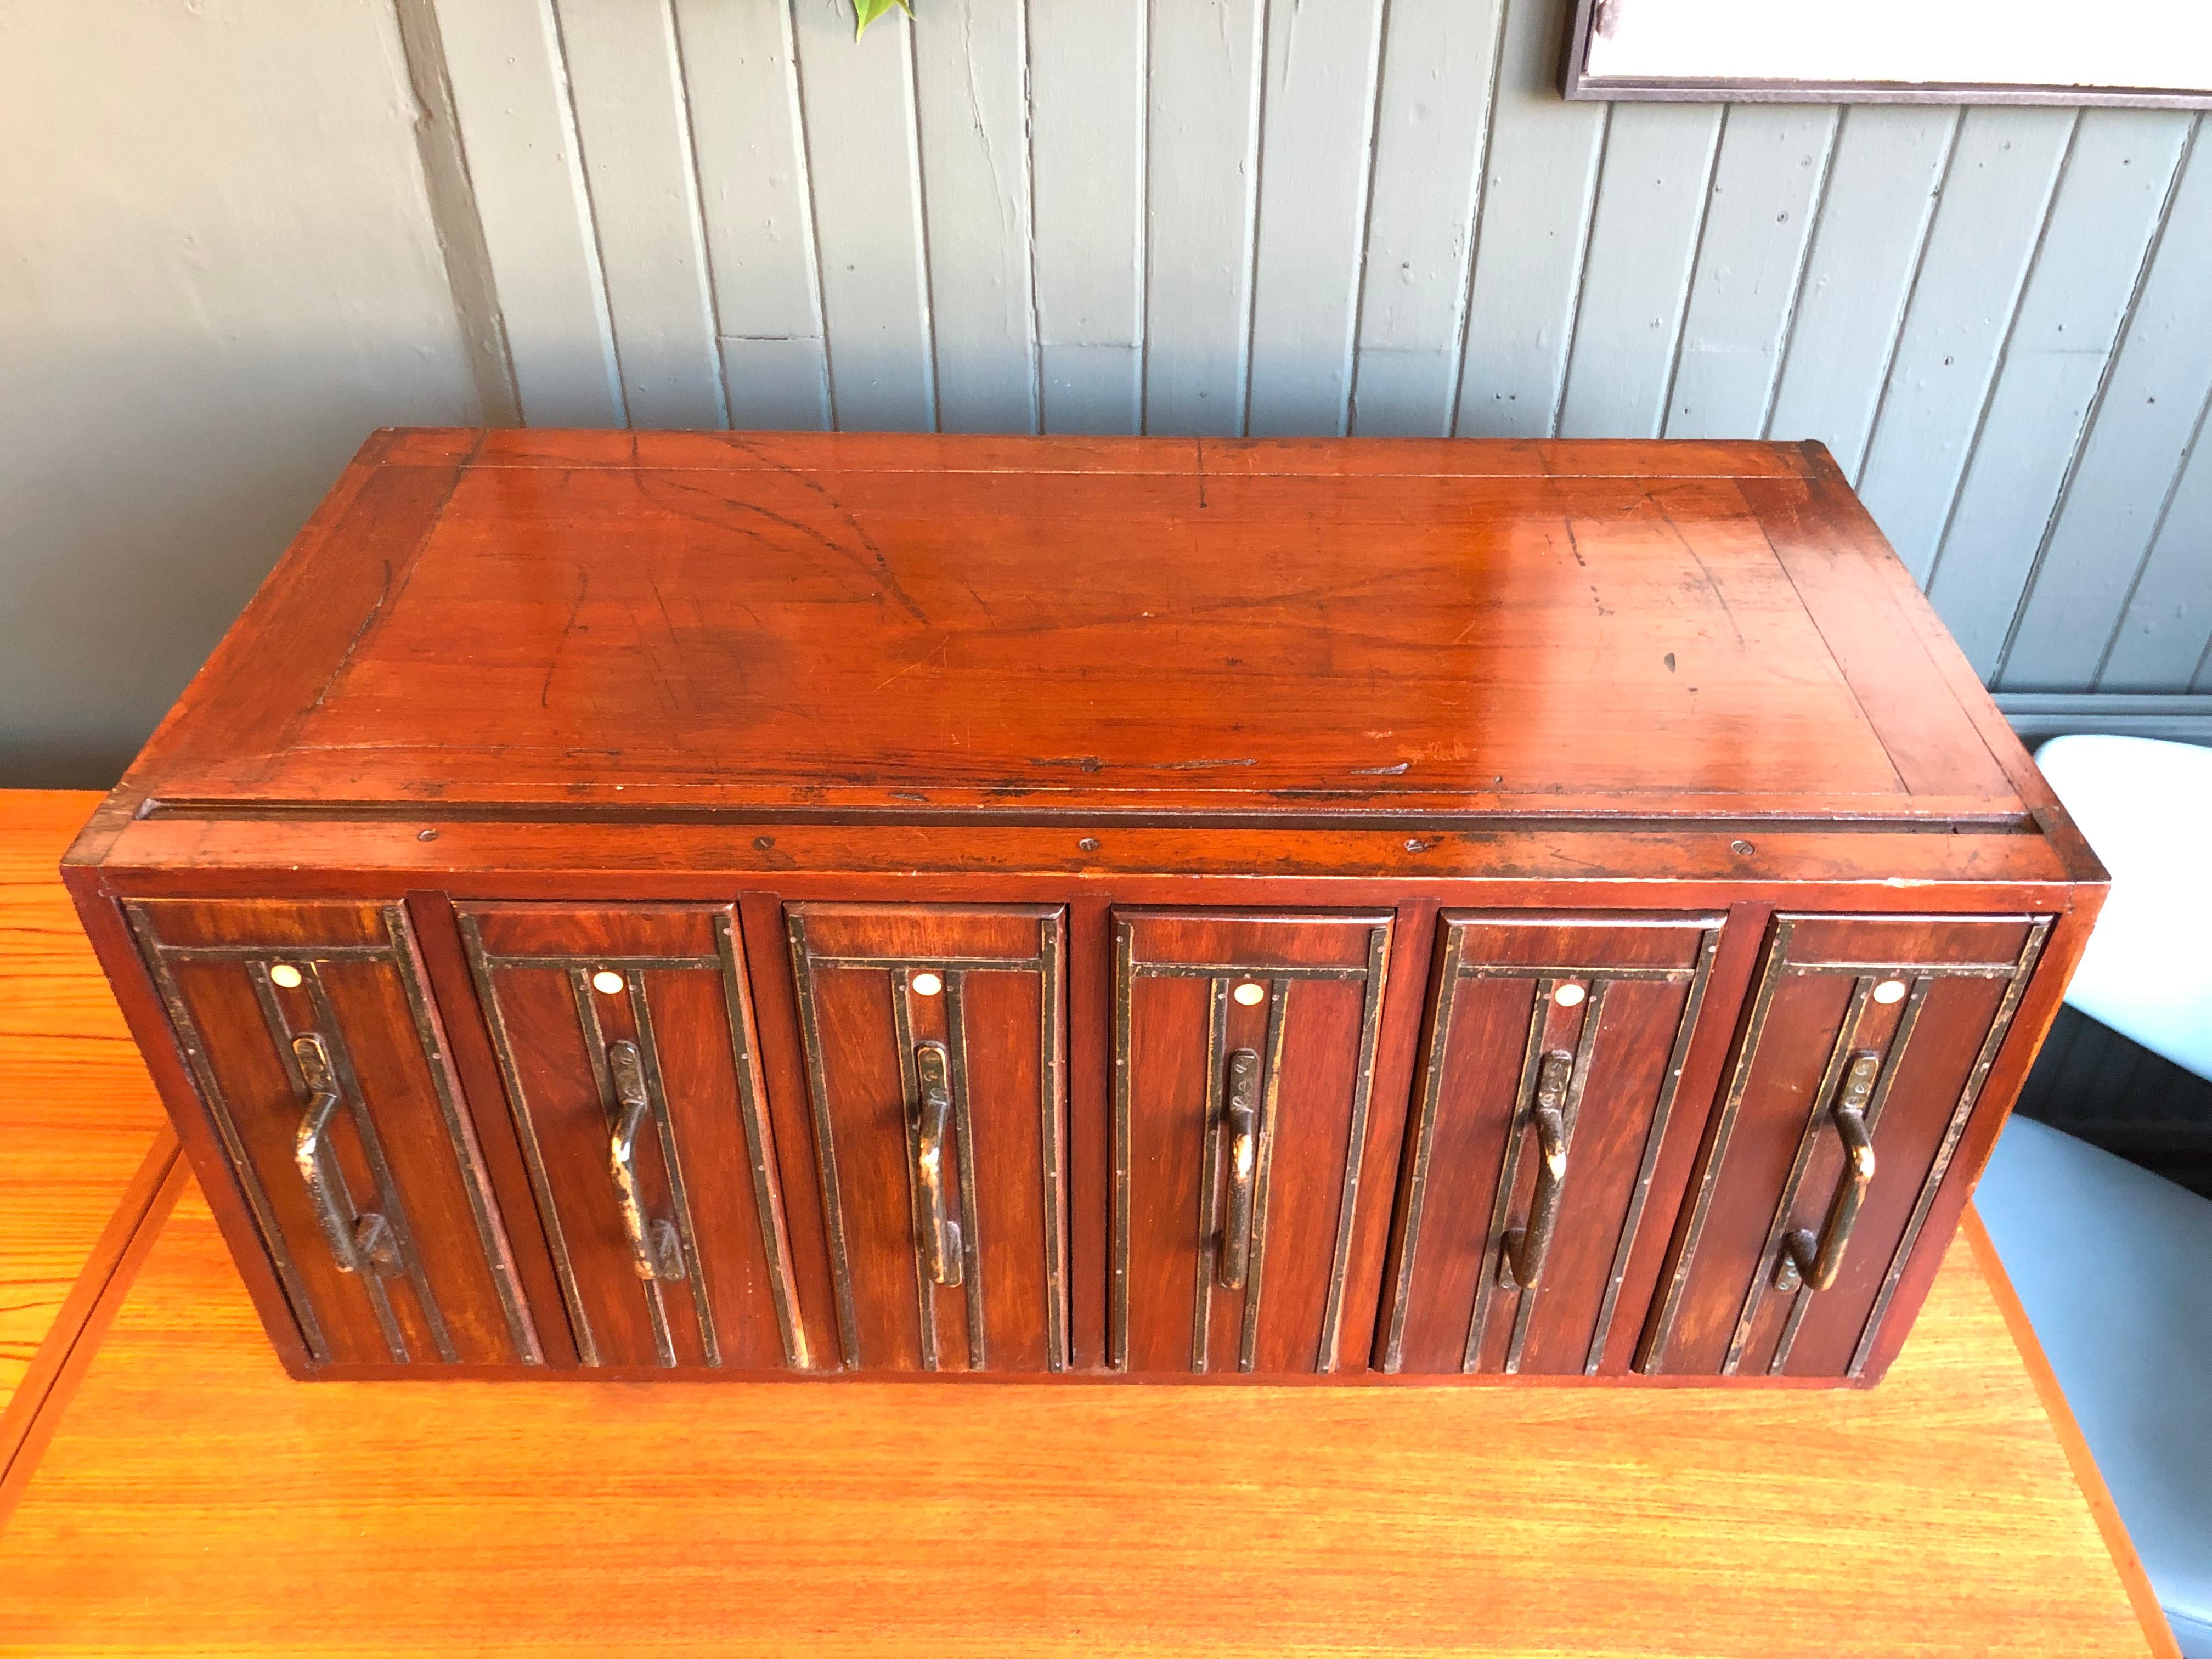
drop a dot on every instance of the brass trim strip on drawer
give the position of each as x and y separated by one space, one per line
1662 1114
533 1156
1651 1358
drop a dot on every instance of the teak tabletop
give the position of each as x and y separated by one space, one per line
174 1492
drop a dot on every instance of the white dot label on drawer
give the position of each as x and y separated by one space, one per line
286 975
927 984
606 981
1568 996
1251 995
1890 990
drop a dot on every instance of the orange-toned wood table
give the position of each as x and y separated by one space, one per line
171 1491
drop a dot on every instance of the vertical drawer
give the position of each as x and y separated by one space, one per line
624 1034
935 1051
1546 1091
1861 1058
1244 1052
315 1050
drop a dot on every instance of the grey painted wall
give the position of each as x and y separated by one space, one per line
256 230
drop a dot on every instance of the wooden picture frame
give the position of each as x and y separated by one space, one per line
1698 51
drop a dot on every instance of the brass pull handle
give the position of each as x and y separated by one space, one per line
368 1237
1815 1261
940 1233
656 1251
1520 1262
1242 1124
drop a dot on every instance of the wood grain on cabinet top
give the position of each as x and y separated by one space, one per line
893 628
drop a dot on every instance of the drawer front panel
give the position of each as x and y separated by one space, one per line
935 1051
625 1038
1862 1056
310 1034
1244 1067
1546 1088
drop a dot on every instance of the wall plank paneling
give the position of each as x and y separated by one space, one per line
741 81
1087 110
1531 226
1987 227
2096 559
864 165
971 82
1209 217
633 129
510 79
2101 224
1766 184
1884 179
1431 130
1202 176
1652 194
1317 118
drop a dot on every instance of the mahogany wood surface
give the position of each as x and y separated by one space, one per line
879 624
195 1500
1096 737
77 1114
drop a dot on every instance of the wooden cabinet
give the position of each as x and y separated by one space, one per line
624 1036
1551 1070
319 1063
707 905
934 1056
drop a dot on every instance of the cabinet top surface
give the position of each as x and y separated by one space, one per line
896 626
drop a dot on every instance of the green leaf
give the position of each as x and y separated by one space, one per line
866 12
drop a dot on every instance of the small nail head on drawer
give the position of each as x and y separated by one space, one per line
1568 996
927 984
606 981
285 975
1251 995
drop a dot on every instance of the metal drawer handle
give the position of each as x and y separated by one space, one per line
1241 1123
1814 1261
656 1251
940 1233
1520 1262
368 1237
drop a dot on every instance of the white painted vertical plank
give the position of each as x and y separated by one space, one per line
510 95
1984 233
857 97
1540 170
1439 64
1087 145
2145 423
1651 208
2165 638
1315 157
971 80
1766 188
2078 293
743 91
1202 167
634 134
1883 181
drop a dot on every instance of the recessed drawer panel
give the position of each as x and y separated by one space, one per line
1547 1089
1244 1060
935 1053
1862 1056
624 1034
311 1036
